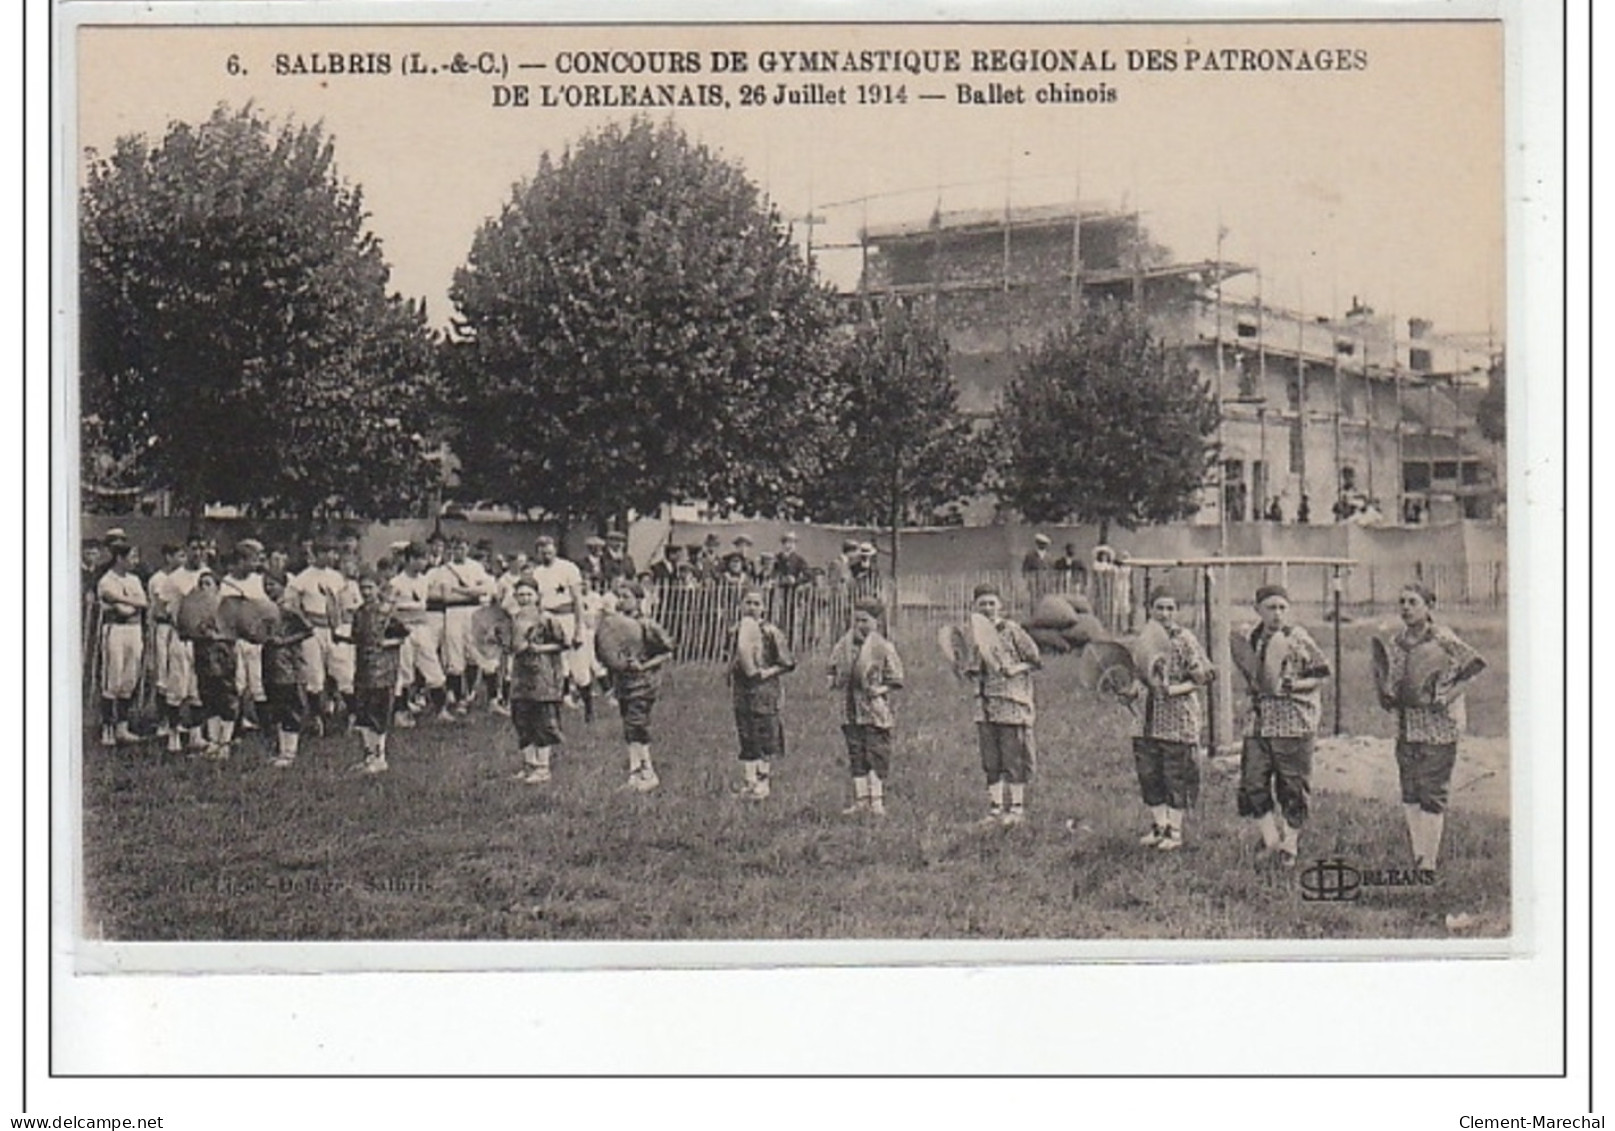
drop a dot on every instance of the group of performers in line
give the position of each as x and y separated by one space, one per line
375 649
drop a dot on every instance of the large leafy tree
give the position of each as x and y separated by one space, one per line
239 344
902 449
1102 423
636 327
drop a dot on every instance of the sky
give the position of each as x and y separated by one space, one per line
1384 181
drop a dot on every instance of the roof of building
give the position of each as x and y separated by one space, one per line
993 219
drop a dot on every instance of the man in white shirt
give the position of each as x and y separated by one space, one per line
560 593
161 597
244 578
462 585
122 599
410 591
316 592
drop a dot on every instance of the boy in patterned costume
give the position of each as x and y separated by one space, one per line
537 681
1167 731
1005 712
376 636
865 668
284 672
754 679
1275 765
637 683
1427 735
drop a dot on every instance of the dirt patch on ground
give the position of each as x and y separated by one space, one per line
1366 766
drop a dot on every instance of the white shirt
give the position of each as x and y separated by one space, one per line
307 590
127 590
452 579
162 592
250 587
557 583
182 580
409 597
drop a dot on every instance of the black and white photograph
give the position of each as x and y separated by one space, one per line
950 484
978 542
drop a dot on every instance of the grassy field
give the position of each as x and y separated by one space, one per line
449 846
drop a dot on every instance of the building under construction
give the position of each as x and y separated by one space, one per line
1322 415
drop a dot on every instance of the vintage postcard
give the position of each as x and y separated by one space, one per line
703 493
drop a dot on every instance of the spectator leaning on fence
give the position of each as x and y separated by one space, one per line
1037 558
790 567
1281 731
615 562
1427 732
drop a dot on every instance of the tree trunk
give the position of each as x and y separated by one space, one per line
1104 532
194 507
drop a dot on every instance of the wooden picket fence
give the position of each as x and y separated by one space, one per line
814 616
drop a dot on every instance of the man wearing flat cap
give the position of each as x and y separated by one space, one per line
748 564
1037 558
593 564
615 563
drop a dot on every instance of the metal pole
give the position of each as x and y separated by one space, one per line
1222 660
1211 700
1222 407
1339 683
1401 469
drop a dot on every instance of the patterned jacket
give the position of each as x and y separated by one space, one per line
1176 718
1435 724
1007 699
885 670
753 695
1295 714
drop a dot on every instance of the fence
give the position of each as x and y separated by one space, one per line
814 615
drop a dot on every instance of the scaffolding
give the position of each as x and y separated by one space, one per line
913 259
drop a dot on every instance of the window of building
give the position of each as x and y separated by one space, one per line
1419 360
1415 476
1245 375
1348 478
1235 494
1446 470
1469 473
1298 446
1246 328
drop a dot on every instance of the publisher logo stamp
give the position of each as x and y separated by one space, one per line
1336 880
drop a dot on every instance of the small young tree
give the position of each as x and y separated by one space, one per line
902 450
238 343
1102 423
